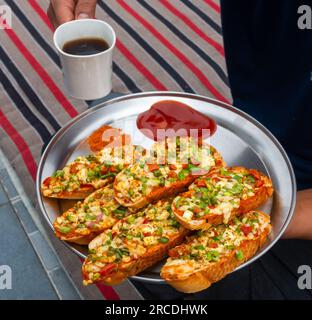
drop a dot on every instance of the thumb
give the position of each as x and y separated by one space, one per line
85 9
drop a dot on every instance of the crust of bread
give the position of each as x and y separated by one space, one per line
260 197
79 194
153 255
82 240
203 278
165 192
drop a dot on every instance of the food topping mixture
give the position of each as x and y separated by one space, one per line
208 246
130 239
218 193
91 172
169 167
98 212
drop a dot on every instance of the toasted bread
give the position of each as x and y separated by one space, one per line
141 184
220 196
132 245
210 255
83 176
87 219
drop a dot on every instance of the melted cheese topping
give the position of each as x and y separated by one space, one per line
206 247
130 238
93 171
97 212
218 193
159 171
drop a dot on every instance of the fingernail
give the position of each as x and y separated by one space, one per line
83 16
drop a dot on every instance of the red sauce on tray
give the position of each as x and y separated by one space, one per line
107 136
170 114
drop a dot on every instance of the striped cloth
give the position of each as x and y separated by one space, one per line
162 45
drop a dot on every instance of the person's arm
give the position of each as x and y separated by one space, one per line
300 226
61 11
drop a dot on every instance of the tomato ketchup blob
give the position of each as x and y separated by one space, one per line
169 118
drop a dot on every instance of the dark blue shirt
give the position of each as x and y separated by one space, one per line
269 61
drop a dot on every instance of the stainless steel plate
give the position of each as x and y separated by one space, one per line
239 138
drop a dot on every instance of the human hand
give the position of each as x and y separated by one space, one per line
61 11
300 226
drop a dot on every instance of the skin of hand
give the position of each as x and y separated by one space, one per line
300 226
61 11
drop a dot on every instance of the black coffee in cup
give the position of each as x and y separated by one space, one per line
85 46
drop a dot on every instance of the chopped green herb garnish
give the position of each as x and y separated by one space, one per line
108 175
250 179
130 219
199 247
212 255
224 172
108 164
91 158
105 211
163 240
144 188
159 231
119 213
162 181
183 174
58 174
65 230
230 247
157 173
90 217
175 224
70 218
239 255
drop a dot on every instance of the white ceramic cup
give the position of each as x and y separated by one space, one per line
86 77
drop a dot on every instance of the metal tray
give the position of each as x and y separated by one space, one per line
239 138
